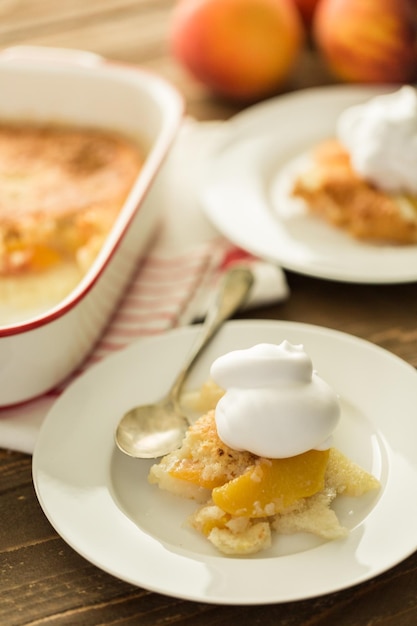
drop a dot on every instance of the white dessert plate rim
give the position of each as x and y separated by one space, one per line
245 192
100 502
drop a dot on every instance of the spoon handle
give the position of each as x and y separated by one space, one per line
233 291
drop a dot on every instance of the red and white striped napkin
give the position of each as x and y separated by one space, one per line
175 282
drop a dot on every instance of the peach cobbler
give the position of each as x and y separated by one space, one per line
332 190
244 496
61 190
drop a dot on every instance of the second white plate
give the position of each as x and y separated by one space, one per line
246 192
101 503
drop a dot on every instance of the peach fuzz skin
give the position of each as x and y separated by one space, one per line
368 41
241 49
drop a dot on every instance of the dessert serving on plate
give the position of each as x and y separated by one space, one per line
364 180
260 458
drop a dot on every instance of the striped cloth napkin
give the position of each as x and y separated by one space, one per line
173 285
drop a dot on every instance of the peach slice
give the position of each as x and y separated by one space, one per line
191 471
43 257
19 257
271 485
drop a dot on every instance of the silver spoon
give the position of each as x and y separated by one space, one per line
153 430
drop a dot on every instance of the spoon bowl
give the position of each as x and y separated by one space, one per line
153 430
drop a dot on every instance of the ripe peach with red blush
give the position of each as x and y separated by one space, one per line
372 41
241 49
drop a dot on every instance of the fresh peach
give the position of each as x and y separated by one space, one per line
368 41
241 49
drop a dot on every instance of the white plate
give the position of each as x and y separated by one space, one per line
101 504
245 194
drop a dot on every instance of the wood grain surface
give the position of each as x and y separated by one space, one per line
42 580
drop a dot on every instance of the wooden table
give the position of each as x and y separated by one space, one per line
42 580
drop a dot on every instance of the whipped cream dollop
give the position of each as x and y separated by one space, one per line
381 138
275 404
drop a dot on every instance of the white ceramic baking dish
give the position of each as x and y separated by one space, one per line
81 88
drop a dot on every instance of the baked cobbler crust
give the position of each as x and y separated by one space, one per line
60 192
